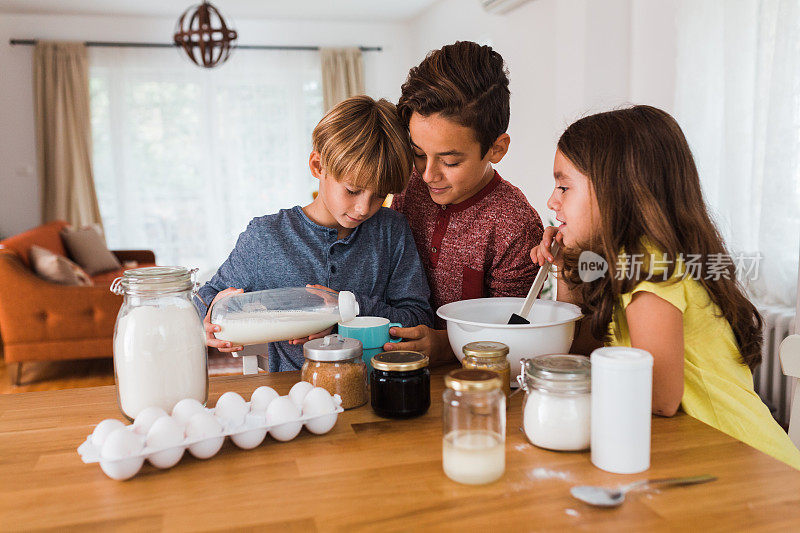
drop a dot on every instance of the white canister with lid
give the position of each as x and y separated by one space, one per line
557 409
622 385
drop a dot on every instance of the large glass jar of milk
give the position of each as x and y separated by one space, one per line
557 412
474 416
160 353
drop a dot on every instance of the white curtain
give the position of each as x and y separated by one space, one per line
738 101
184 157
342 75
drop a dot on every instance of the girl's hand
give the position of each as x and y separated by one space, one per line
541 254
211 340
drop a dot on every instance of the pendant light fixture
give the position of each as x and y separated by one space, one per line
205 37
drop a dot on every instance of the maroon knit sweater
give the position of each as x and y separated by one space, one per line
477 248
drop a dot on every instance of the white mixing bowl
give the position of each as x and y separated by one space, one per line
551 330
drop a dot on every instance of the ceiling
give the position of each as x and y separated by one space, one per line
362 10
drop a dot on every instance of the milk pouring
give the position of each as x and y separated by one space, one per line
280 314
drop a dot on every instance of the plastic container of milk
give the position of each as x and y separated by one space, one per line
281 314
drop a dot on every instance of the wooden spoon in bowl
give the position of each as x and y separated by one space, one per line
536 288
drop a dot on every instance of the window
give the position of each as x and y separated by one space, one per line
184 157
738 71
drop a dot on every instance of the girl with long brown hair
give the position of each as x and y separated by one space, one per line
627 190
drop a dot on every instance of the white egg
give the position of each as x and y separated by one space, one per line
168 434
282 415
261 399
122 443
104 429
165 433
319 404
185 409
145 419
299 390
208 431
248 440
120 454
202 426
232 408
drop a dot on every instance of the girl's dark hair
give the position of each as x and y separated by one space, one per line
648 190
466 83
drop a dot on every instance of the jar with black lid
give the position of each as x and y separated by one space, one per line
400 384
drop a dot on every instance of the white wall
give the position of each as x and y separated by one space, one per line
19 188
566 58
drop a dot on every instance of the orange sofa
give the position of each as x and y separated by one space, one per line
44 321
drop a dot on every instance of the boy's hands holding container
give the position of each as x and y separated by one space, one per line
322 333
431 342
211 340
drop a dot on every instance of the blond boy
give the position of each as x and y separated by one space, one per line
344 239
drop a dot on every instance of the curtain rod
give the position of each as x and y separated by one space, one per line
108 44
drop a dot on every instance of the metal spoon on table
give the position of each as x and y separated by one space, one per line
608 497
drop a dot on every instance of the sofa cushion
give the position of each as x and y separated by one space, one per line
57 268
88 248
46 236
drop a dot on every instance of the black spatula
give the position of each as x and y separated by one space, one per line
536 288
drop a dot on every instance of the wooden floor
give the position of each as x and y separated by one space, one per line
56 375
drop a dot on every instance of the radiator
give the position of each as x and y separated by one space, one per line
771 385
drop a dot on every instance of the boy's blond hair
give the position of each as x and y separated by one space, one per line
363 141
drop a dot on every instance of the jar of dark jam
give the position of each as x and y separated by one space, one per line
400 384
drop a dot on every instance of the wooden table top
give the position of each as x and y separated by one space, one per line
368 473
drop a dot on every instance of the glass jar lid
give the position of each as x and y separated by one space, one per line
332 348
485 349
569 374
399 361
464 380
151 281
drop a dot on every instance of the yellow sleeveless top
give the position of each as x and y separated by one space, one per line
718 387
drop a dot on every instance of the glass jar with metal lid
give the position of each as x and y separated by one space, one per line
474 419
557 410
334 363
489 355
160 353
400 384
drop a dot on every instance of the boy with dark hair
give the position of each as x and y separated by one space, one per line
472 228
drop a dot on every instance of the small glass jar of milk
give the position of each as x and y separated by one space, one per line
474 416
557 410
160 352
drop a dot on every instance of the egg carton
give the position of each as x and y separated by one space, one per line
246 435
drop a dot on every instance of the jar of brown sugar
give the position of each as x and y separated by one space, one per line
334 363
489 355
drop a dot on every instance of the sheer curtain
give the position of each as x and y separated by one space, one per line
738 100
184 157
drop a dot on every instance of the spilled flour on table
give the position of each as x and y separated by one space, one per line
572 512
545 473
521 447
